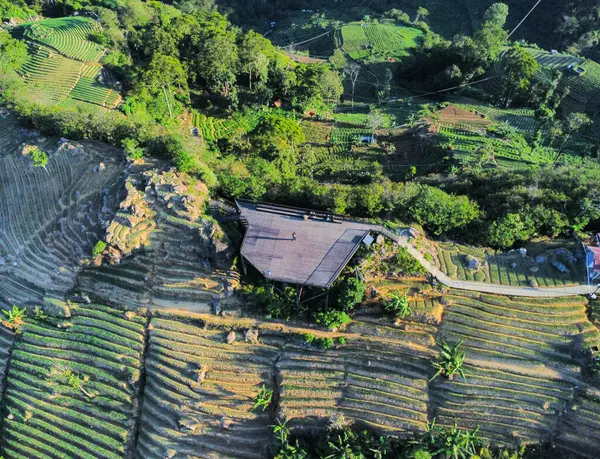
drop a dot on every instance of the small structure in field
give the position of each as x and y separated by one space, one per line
593 262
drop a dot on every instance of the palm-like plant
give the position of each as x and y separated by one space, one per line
452 443
15 317
282 431
451 362
397 304
263 398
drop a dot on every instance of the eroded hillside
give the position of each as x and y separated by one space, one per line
51 215
162 249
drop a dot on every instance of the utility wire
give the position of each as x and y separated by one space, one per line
526 16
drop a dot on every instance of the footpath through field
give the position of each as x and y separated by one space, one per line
481 286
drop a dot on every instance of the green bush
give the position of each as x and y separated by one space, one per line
39 158
403 261
342 340
332 319
326 343
99 248
351 292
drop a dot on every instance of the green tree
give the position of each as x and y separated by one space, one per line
421 13
519 68
330 87
254 50
13 53
213 53
162 73
440 211
491 36
509 229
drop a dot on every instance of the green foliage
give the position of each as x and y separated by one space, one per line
403 261
441 212
452 443
351 292
263 398
397 305
332 319
451 361
519 68
13 53
38 157
132 148
509 229
14 9
99 249
326 343
15 317
342 340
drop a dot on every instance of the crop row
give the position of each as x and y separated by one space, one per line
92 417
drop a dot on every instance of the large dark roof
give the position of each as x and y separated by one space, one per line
324 243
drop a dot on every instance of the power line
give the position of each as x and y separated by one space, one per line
306 41
526 16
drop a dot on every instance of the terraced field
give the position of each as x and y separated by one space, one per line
512 268
63 65
67 36
45 416
376 42
521 377
200 391
52 216
381 383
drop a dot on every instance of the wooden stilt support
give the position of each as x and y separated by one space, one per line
243 265
298 297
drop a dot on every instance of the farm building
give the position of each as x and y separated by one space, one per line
302 247
593 261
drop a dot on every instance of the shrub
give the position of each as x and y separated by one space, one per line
263 398
404 262
326 343
99 248
309 338
39 158
14 317
332 319
342 340
352 291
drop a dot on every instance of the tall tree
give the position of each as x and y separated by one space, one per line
352 70
421 13
519 68
162 73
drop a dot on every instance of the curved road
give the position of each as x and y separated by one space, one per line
481 286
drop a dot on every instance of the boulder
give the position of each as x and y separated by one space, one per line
560 266
541 259
56 308
534 269
251 336
231 337
523 251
